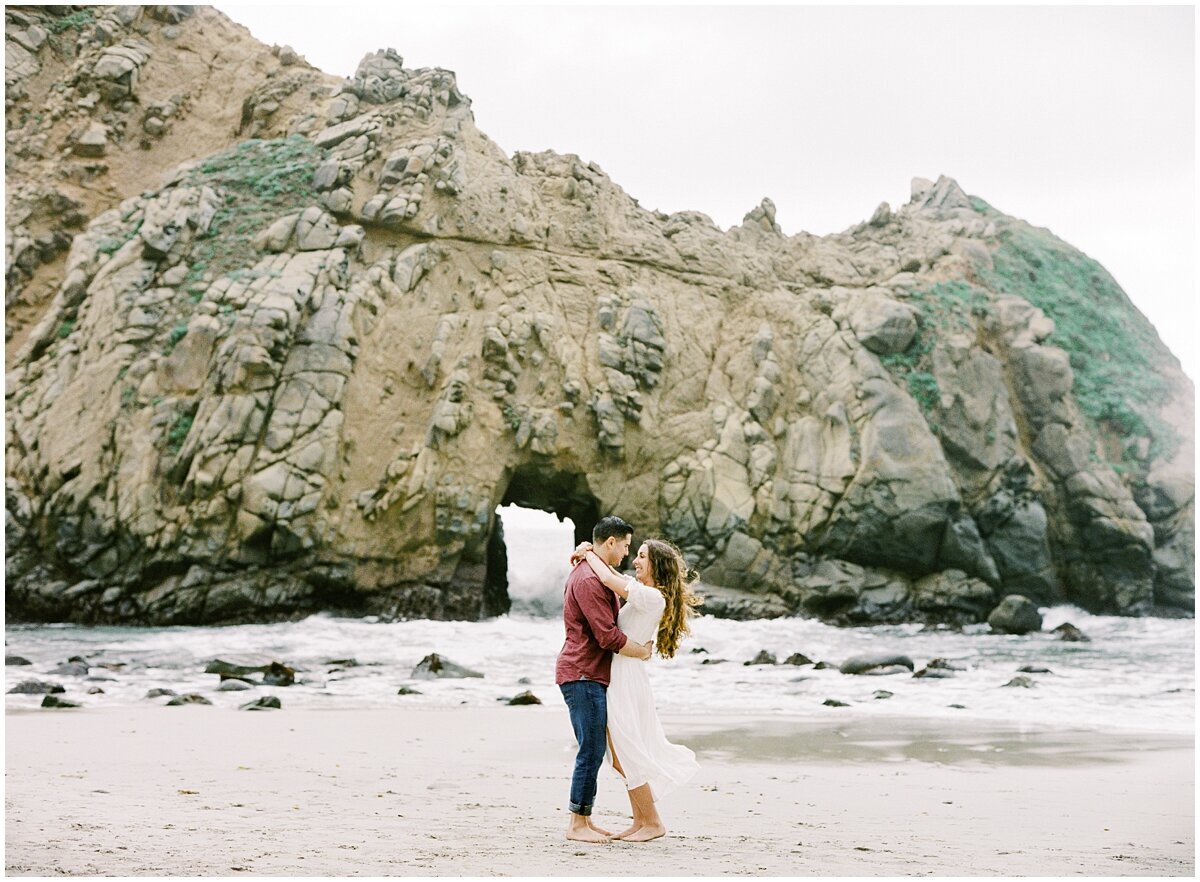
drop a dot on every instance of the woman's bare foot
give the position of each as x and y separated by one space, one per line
599 830
636 826
645 834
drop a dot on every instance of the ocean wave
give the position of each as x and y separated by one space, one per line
1135 673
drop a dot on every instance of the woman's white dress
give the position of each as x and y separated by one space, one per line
642 749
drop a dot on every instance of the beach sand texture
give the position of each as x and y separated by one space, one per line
392 792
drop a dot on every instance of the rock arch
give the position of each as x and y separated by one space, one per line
303 374
546 487
562 492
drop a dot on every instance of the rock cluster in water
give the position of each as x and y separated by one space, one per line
237 676
279 343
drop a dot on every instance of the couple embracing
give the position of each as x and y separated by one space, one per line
602 674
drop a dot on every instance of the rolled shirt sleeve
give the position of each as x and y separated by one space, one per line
597 609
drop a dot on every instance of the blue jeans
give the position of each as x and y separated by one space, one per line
587 702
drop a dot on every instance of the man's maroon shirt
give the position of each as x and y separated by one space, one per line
590 618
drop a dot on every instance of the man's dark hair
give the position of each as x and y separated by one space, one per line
608 527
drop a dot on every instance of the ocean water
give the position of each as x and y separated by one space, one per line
1135 674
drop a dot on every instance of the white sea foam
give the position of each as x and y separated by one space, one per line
1135 673
538 563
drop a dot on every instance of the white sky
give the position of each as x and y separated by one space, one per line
1079 119
542 523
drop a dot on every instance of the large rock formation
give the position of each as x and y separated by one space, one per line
301 369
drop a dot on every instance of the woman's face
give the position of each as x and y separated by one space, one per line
641 565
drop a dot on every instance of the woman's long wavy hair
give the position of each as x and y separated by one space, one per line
673 578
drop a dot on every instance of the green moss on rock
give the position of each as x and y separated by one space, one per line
259 181
178 432
1115 353
76 21
943 308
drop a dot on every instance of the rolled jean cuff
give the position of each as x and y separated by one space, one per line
577 809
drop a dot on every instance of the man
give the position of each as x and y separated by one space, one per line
582 673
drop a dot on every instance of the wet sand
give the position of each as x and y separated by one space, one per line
480 792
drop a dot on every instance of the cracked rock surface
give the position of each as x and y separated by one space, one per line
280 343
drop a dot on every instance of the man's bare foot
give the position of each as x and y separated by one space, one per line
585 834
645 834
599 830
625 833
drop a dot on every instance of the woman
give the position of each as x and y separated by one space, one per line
658 603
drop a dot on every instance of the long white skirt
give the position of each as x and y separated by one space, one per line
641 746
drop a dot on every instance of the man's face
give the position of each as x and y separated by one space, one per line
616 548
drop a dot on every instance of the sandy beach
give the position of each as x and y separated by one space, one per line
210 791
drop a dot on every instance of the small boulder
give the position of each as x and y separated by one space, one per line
233 684
189 698
93 142
71 669
343 662
276 237
833 702
1020 683
278 674
937 668
877 664
525 697
95 690
524 681
16 660
408 690
159 692
820 666
35 687
883 325
170 14
217 666
943 664
338 201
267 702
316 230
797 658
1033 669
1015 614
1068 632
274 674
434 667
928 673
714 661
763 658
55 701
326 175
881 693
696 650
920 186
350 237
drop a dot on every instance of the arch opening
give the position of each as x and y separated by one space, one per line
542 515
536 544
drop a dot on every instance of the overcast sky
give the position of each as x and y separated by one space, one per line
1079 119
